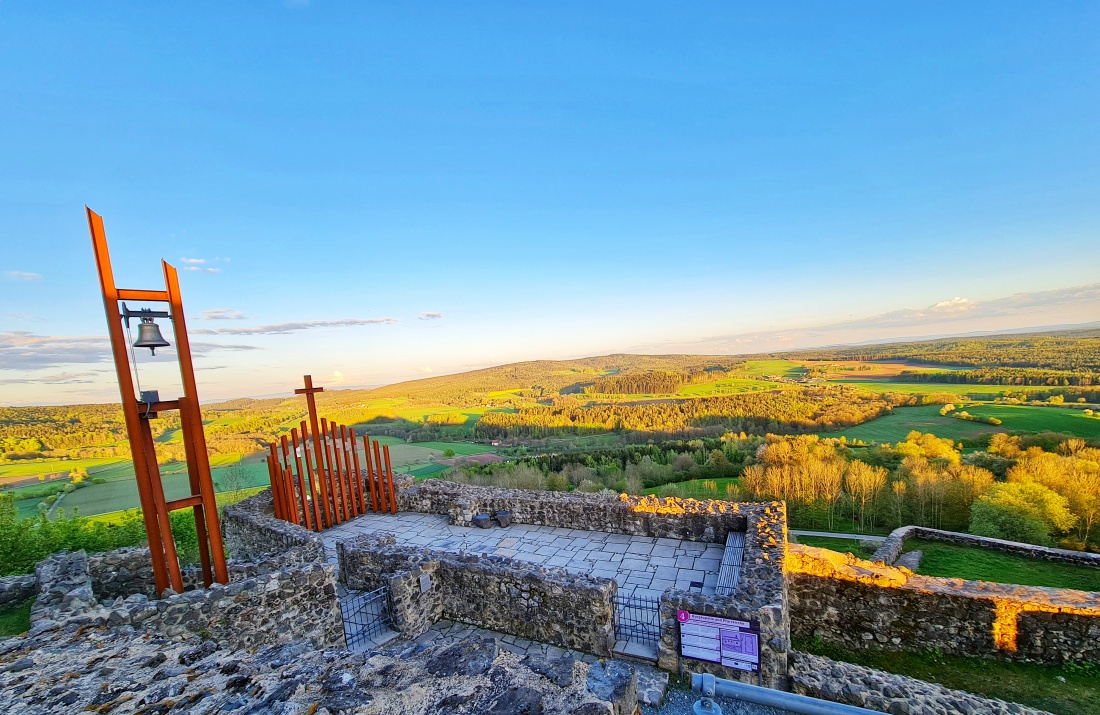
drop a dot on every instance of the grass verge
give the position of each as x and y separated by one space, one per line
975 564
1035 685
850 546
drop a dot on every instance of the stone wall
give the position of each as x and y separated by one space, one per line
860 604
819 677
691 519
548 605
14 590
761 595
265 602
894 544
252 532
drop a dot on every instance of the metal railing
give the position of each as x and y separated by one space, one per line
711 686
638 619
366 616
729 573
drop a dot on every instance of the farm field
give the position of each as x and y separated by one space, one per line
927 388
119 491
975 564
729 386
903 420
783 368
8 472
1015 418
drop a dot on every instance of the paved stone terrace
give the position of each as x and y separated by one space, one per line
642 566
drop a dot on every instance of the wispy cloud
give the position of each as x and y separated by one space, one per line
223 314
23 276
23 350
431 316
203 264
950 316
63 378
295 327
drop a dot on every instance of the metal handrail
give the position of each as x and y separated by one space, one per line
789 702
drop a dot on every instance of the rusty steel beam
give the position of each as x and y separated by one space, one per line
370 473
389 471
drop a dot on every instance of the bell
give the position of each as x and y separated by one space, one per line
149 336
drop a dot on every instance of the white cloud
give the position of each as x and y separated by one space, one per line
431 316
951 316
204 270
425 369
194 260
223 314
24 276
295 327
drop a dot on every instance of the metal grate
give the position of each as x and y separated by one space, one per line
638 619
366 616
729 572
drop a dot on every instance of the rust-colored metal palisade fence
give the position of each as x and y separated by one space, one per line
317 477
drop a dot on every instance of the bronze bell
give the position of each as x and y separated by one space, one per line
149 336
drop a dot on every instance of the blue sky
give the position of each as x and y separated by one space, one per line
552 180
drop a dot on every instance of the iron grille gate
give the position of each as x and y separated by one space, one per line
638 619
366 617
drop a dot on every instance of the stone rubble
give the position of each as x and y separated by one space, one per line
123 670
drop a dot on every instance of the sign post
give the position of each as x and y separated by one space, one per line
728 642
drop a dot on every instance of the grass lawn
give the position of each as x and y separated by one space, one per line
976 564
903 420
694 489
1015 418
1024 683
1029 418
848 546
14 621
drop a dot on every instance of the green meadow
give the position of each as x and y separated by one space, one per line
1014 418
927 388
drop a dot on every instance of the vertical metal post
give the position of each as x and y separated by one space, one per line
192 429
129 400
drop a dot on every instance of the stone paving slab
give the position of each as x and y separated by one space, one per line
642 566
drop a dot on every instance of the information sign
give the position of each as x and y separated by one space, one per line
735 644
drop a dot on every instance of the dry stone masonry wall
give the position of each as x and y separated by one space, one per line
694 520
827 679
860 604
548 605
761 596
890 549
15 590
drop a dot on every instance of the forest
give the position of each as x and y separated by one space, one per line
1042 489
800 410
1070 350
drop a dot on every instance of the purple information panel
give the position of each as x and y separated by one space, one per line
735 644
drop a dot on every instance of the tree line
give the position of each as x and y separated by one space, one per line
800 410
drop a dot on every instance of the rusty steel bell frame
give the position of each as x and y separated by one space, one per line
154 507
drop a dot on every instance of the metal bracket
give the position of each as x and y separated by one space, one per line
126 314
